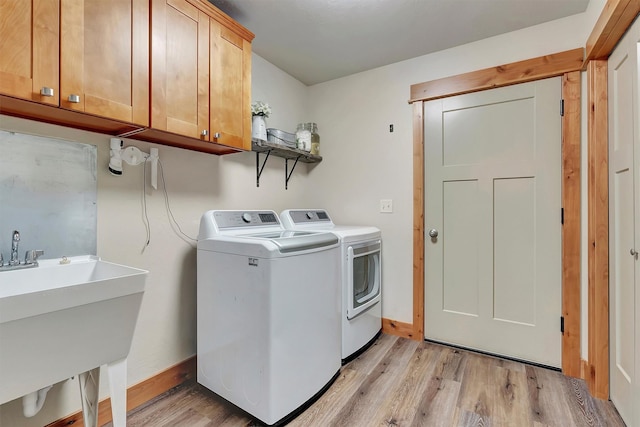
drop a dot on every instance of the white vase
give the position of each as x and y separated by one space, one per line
259 128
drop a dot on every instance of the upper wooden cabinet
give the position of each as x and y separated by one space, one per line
230 100
29 33
180 68
87 63
104 58
200 74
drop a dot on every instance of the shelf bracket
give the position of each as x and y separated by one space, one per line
258 168
287 174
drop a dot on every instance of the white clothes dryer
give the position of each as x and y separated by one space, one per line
361 276
268 313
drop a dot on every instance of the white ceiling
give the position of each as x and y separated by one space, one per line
320 40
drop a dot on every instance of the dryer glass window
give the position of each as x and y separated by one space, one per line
364 277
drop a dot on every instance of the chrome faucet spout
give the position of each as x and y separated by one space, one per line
15 260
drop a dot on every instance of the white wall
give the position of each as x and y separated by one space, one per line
196 182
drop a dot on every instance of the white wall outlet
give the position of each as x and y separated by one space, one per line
386 205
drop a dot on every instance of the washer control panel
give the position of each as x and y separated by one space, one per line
234 219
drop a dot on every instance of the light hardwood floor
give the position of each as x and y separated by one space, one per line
399 382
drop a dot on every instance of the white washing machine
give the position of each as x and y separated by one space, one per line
361 276
268 313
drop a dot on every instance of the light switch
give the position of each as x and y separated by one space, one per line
386 205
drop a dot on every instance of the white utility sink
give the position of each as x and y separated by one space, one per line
61 319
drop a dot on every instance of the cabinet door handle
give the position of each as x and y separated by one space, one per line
74 98
204 132
216 135
46 91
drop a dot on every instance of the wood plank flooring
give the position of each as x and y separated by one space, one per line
399 382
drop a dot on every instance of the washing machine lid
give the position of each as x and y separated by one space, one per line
295 241
319 219
270 244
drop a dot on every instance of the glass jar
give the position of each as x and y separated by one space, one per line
308 138
303 137
315 139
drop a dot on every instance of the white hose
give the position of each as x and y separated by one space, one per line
33 402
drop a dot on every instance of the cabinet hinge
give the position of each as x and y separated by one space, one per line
562 107
562 324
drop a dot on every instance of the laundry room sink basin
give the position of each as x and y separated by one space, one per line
63 318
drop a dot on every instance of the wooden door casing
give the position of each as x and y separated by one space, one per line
33 27
104 58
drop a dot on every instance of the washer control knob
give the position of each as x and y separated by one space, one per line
309 215
246 217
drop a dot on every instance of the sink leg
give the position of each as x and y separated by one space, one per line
89 388
118 388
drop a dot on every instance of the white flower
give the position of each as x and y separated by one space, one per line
260 108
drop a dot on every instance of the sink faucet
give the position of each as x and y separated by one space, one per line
30 257
15 260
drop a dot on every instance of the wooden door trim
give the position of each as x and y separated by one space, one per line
571 238
597 375
418 220
528 70
615 19
567 64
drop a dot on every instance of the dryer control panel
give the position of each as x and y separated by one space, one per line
308 216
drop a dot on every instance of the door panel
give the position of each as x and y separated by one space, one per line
514 270
624 209
460 292
492 169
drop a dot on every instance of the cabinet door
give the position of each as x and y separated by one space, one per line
180 69
230 100
104 58
29 47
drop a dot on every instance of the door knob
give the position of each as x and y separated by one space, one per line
433 233
633 253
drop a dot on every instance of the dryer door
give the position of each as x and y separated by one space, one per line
364 276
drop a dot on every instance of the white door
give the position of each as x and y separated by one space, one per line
493 194
624 158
